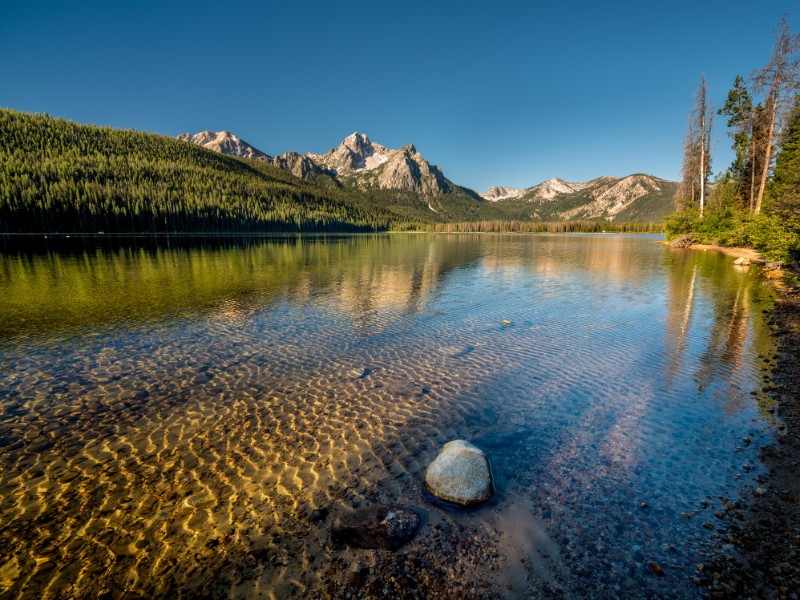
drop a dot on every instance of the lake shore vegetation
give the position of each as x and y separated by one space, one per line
756 201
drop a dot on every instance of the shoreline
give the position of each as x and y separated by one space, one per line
753 255
765 529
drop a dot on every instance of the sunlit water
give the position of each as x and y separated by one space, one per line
173 419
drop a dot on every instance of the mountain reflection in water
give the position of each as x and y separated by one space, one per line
184 418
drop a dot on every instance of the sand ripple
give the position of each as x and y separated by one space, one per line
191 454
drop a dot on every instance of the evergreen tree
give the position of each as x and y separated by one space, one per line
741 121
782 202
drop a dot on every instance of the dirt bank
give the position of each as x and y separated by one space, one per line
753 255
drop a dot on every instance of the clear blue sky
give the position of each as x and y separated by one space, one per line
496 93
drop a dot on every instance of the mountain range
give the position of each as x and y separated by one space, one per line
61 176
357 162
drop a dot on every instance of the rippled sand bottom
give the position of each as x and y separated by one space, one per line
209 469
209 457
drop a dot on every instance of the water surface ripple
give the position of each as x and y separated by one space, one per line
190 421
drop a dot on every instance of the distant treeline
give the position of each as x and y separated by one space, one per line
56 175
546 227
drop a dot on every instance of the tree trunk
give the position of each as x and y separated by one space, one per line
768 149
702 157
752 173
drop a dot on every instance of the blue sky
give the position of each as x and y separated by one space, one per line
503 93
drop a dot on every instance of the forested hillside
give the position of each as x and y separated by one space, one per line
56 175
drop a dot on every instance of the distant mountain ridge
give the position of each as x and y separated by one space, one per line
356 161
605 197
360 163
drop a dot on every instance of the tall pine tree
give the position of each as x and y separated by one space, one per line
782 202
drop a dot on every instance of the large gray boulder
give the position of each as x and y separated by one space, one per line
460 474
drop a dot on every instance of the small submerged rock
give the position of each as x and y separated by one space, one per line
460 474
318 514
357 373
380 526
455 351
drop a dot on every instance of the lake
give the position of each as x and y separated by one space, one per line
191 417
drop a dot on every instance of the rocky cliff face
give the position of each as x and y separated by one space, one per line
553 188
356 153
406 169
223 142
366 164
497 193
298 165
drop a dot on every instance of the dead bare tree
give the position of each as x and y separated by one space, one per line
705 116
779 80
697 149
686 189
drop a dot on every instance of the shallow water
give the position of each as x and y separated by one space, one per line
191 420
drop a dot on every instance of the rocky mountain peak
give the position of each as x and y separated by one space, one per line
497 193
551 188
356 141
298 165
223 142
406 169
355 153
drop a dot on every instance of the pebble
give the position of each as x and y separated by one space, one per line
357 373
656 568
